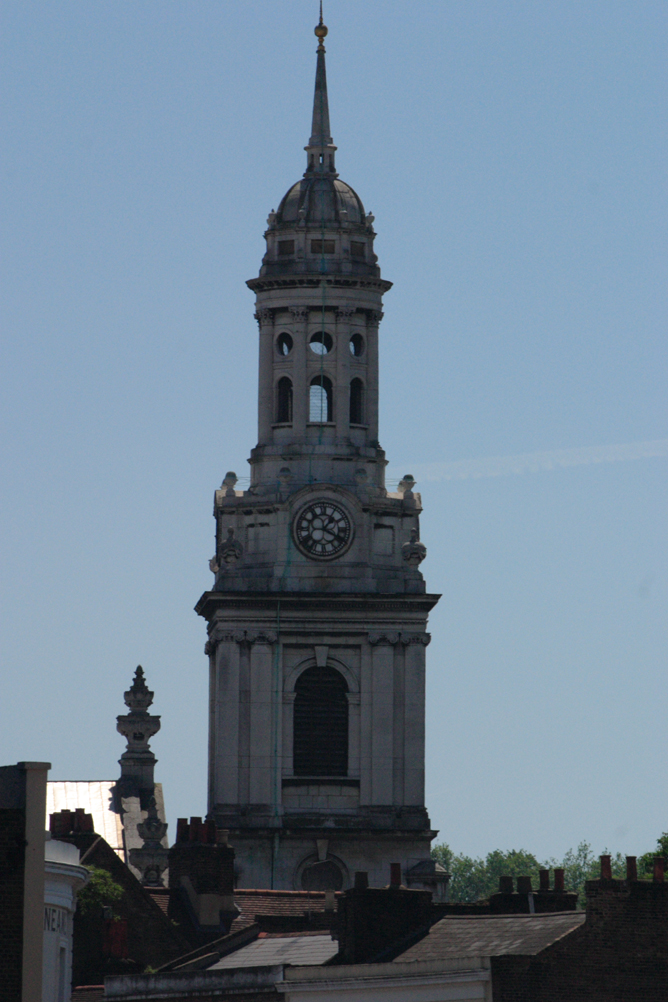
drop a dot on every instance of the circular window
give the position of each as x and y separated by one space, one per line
356 345
321 343
322 530
284 343
322 876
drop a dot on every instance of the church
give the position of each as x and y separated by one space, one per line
317 618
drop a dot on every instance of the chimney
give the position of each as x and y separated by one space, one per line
543 880
524 885
659 869
559 884
631 868
75 827
395 874
371 922
202 869
606 868
505 885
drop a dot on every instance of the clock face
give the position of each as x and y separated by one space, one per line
322 530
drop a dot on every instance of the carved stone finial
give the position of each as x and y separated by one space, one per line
406 485
228 483
414 551
138 696
152 859
138 727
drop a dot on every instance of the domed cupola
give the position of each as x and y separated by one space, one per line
320 225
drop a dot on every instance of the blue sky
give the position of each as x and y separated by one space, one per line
514 155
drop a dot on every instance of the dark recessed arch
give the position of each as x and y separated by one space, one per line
284 400
356 401
320 737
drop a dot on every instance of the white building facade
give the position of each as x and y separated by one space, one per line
317 620
63 878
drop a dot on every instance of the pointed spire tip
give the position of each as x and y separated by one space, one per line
320 31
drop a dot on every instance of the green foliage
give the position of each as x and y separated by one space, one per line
100 891
646 862
475 879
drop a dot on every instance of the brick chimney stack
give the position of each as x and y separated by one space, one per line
201 869
370 920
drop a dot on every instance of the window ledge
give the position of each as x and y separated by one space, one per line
319 781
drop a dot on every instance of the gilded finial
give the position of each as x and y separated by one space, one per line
320 30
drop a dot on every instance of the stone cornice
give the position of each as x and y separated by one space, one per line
301 602
315 282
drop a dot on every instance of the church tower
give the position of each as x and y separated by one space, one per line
317 618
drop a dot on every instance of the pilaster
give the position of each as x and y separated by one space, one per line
299 387
266 388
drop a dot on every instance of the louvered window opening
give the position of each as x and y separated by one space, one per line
320 742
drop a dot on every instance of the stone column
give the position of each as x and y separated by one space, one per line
262 724
414 707
366 725
342 390
288 733
354 735
382 716
374 318
299 387
265 414
225 717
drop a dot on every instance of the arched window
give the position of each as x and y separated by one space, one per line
320 742
320 400
284 401
356 401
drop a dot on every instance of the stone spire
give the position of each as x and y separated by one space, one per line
320 150
138 761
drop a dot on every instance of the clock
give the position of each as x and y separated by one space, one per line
322 530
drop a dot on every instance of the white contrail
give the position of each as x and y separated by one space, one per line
531 462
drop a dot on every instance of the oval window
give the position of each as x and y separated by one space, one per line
321 343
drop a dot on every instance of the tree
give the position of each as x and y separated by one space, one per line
101 891
475 879
646 862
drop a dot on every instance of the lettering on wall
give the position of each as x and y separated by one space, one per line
55 920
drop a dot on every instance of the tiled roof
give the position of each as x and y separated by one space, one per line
294 950
96 798
88 993
254 903
492 935
161 897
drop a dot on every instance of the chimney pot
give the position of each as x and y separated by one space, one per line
631 868
606 868
361 880
222 836
505 885
544 880
559 884
524 885
182 830
659 869
195 825
395 874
